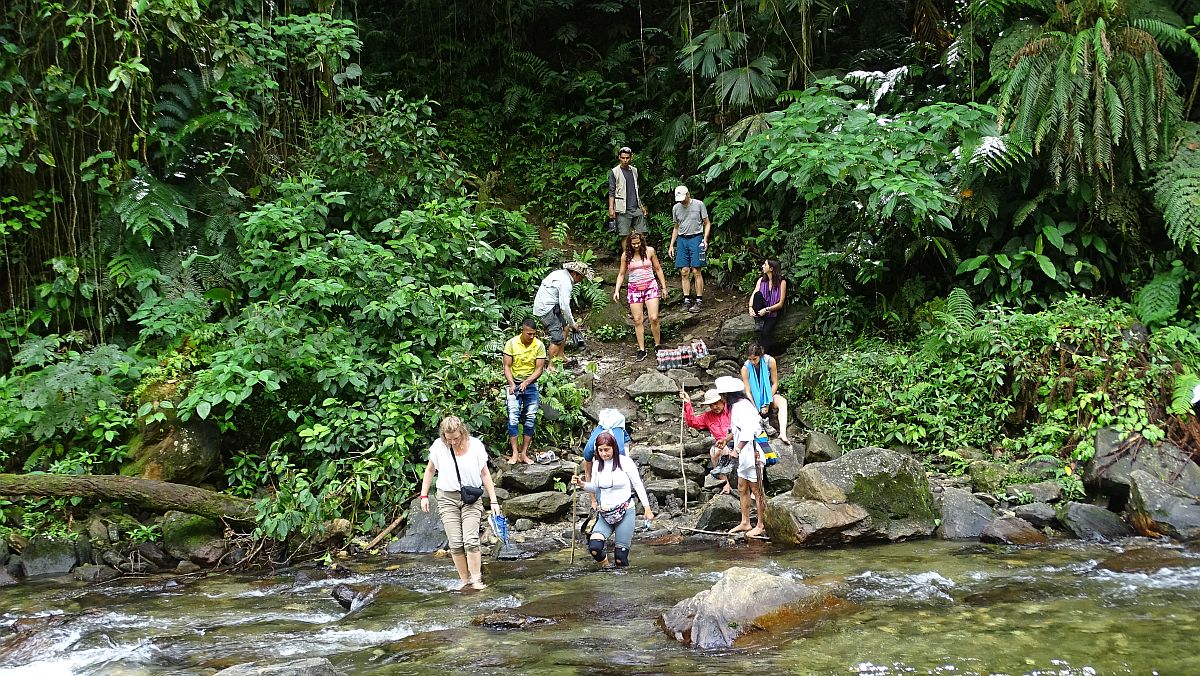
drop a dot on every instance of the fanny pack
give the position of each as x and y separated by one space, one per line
469 494
615 515
643 286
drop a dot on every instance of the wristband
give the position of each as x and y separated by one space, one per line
424 497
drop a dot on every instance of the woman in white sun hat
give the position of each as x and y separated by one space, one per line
745 426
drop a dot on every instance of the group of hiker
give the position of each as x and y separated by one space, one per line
737 408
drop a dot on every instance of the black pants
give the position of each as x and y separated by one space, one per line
763 325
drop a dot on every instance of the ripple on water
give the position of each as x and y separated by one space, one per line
87 660
1163 579
923 587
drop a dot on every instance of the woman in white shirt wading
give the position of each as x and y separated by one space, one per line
458 455
615 478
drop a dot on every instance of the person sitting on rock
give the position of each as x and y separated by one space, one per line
760 374
716 421
615 479
745 426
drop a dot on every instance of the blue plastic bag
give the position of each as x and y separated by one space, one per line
499 527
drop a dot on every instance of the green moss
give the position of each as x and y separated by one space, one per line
905 496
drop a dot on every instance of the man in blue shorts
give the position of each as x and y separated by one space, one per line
692 229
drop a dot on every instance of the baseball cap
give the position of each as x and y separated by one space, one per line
681 193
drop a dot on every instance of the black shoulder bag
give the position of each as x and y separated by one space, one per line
469 494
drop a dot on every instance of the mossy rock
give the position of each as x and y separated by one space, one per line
185 533
989 477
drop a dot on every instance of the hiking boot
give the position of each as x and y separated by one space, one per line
640 356
687 303
695 306
725 466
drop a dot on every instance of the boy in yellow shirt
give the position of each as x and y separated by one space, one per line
524 361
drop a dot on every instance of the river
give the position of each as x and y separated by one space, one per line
925 607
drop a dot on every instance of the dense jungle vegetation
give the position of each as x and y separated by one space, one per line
291 225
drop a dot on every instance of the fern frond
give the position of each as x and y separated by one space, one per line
1158 301
1184 393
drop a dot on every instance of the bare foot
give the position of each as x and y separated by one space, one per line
527 460
740 528
755 532
514 460
725 490
785 441
478 586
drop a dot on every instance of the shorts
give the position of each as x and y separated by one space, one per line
630 220
746 461
553 321
640 293
689 253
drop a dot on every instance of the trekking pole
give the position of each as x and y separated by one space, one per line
574 514
682 473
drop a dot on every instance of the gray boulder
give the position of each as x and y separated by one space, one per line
988 477
744 600
185 534
736 330
793 521
47 556
541 506
721 512
1042 491
423 534
312 666
821 447
1091 522
601 400
6 578
1113 462
1010 530
668 467
664 487
652 382
536 477
92 574
1159 508
963 515
892 487
780 477
1039 514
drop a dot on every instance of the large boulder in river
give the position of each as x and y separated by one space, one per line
821 447
1159 508
537 477
1010 530
190 537
745 600
791 521
1092 522
424 532
1116 458
170 449
311 666
889 486
720 513
537 506
47 556
963 515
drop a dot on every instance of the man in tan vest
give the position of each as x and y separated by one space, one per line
624 198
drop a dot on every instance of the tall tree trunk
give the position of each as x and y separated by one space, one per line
157 495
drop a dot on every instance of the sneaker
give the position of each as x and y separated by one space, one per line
724 467
687 303
641 355
695 306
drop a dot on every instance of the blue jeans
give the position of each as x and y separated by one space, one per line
624 530
523 408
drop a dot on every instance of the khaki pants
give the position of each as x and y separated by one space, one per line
461 521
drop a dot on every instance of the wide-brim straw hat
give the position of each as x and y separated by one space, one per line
580 268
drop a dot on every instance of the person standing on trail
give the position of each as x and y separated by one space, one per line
625 203
524 361
760 373
692 229
745 426
552 305
459 461
642 292
716 421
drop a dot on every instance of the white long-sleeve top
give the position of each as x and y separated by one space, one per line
613 486
555 290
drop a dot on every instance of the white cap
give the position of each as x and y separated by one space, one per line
727 384
681 193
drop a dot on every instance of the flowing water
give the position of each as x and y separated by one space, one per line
920 607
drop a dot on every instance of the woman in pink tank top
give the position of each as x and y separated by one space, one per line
640 262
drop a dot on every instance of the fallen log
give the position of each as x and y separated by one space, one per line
156 495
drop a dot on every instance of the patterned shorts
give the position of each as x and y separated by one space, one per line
640 293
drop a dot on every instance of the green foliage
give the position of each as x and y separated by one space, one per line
611 333
1177 189
1034 383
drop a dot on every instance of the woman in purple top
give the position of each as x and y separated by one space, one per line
770 293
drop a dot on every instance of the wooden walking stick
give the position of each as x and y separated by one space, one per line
682 473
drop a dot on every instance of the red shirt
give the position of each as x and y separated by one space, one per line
717 424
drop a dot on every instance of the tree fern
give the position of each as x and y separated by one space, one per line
1184 393
1177 190
148 207
1158 300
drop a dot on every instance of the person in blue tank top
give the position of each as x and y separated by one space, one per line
760 373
